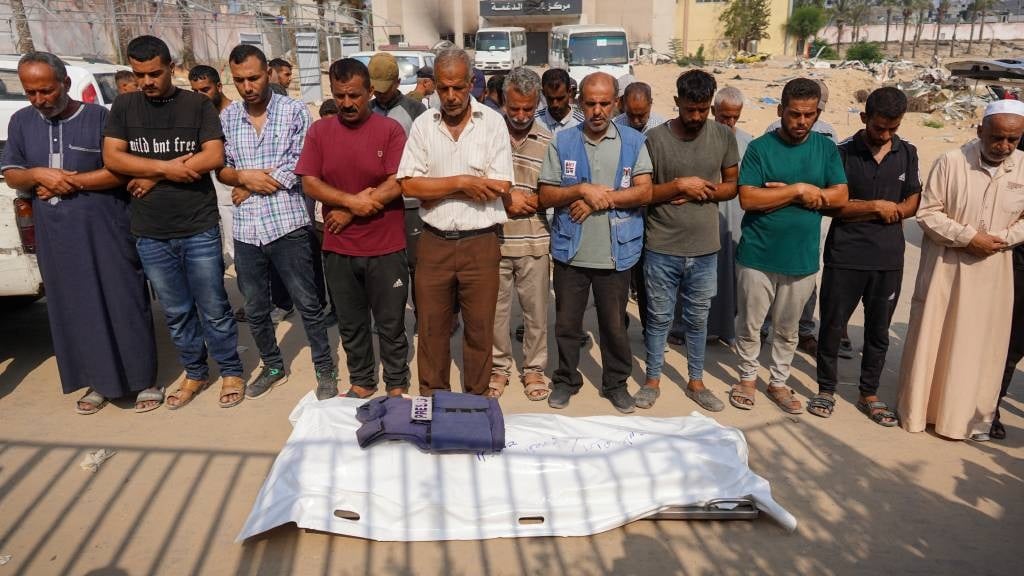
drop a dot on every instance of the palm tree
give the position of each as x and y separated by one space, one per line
188 51
907 10
889 6
941 10
983 6
858 16
973 9
25 43
841 13
952 41
124 31
923 6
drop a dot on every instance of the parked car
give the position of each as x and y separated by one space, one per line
409 62
104 87
91 81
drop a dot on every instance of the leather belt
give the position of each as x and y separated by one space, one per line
459 234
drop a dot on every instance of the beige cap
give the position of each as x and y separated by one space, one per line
821 101
383 71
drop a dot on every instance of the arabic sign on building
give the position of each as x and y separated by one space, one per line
531 7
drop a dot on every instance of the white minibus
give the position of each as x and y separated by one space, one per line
500 49
585 48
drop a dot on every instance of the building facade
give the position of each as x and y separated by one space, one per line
697 25
425 22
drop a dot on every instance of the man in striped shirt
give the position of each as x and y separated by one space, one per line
525 238
458 163
263 138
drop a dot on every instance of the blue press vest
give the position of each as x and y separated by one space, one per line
459 423
627 225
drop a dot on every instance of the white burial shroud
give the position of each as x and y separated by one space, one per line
570 476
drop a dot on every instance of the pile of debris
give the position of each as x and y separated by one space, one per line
935 90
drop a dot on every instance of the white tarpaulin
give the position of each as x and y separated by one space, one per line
558 476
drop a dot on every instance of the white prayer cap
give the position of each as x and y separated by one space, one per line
1005 107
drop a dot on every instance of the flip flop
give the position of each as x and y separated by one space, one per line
151 394
91 397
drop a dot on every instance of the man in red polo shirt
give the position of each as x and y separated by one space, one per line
349 163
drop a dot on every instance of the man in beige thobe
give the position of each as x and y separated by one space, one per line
971 214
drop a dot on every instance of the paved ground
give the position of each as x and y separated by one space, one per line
172 500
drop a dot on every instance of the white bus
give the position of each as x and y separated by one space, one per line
500 49
585 48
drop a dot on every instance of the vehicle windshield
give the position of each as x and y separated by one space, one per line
407 67
10 86
492 41
597 48
108 86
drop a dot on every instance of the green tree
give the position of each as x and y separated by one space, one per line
746 21
805 22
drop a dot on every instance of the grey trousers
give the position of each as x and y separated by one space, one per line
758 292
529 278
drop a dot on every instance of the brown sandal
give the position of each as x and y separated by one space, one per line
231 385
534 386
497 386
186 391
783 396
742 395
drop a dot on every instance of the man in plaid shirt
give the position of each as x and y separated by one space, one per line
264 134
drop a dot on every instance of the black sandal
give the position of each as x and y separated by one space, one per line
822 405
998 431
878 412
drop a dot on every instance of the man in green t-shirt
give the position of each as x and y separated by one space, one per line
787 176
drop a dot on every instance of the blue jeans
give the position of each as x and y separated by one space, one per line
291 256
188 277
695 279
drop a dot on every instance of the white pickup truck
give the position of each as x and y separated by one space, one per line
91 81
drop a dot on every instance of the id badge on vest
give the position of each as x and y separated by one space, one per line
627 177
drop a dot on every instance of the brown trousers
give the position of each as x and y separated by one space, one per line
447 271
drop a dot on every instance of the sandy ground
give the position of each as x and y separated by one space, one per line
868 499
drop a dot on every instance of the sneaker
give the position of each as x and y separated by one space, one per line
268 379
809 345
559 397
621 399
279 314
846 349
326 384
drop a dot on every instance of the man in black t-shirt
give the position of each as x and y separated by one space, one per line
169 140
864 250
